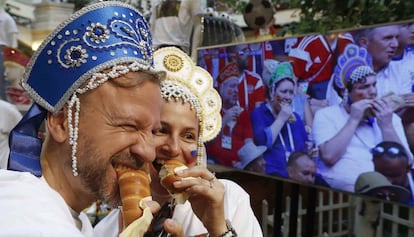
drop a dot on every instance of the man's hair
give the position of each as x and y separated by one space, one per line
295 156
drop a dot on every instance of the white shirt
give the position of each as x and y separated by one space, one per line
237 210
9 117
31 208
175 29
8 29
394 78
357 157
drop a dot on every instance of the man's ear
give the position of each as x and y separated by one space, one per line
57 125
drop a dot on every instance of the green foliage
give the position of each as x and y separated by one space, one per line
325 15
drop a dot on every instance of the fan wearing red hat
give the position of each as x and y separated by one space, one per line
15 62
236 126
251 88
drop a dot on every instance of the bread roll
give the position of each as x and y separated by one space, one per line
168 177
395 102
168 174
134 185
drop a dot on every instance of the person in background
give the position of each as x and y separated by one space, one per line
275 125
15 62
213 205
94 82
368 211
345 133
236 127
391 160
382 44
300 101
251 157
251 90
312 58
8 38
10 116
403 60
178 23
302 168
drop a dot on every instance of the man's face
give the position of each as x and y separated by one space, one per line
395 170
382 44
406 36
116 125
229 91
257 165
303 170
364 90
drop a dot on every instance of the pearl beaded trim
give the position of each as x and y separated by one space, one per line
192 85
360 73
74 103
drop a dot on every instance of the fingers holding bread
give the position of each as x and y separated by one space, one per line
183 182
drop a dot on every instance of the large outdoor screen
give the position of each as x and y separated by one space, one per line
329 124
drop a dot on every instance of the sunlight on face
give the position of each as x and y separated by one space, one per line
179 133
116 128
176 139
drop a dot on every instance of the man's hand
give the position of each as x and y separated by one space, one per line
358 109
232 114
383 112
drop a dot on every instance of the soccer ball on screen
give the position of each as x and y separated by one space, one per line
258 13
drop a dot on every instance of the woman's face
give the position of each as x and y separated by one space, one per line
178 136
283 92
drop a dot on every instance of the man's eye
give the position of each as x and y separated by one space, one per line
159 131
129 127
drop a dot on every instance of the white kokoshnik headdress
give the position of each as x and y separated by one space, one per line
102 41
194 85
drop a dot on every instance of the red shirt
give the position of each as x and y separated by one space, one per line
241 131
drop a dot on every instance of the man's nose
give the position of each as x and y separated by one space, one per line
144 148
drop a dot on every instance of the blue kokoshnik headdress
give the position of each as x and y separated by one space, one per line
353 65
110 36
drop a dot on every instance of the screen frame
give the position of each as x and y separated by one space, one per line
258 40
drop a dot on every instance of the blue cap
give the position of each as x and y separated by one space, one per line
95 38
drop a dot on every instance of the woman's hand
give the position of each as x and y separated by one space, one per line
206 195
285 112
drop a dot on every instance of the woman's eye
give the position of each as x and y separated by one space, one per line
189 136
